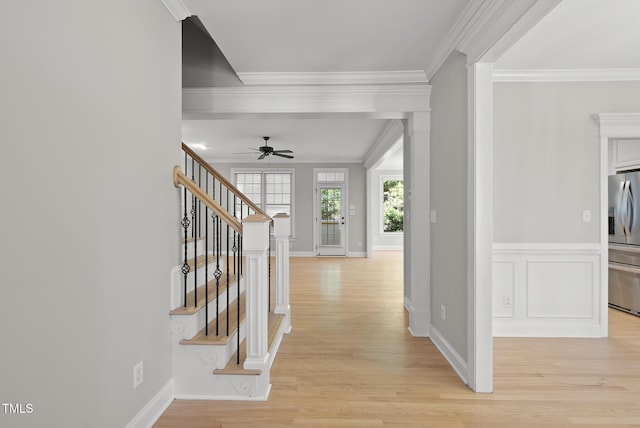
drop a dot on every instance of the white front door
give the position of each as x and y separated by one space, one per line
330 220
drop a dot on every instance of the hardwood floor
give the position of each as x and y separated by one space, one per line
350 361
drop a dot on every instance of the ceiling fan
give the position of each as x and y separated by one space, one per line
267 150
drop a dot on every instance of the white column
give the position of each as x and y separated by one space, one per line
255 246
417 228
480 227
282 232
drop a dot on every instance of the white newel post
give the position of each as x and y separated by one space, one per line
255 246
282 232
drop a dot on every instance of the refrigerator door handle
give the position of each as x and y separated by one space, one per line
630 205
623 207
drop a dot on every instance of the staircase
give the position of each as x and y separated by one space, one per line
230 293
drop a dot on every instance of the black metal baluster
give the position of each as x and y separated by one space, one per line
195 254
227 270
217 273
235 248
238 297
269 269
206 266
185 265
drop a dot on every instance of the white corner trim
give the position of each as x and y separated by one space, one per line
334 78
567 75
152 411
388 138
177 9
450 354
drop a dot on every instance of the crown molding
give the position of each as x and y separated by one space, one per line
620 125
385 141
177 9
334 78
567 75
388 101
488 28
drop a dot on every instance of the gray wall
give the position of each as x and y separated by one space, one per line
547 157
449 199
90 109
304 201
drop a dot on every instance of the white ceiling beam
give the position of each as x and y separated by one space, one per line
334 78
388 101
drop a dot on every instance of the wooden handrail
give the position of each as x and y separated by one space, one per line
180 178
224 181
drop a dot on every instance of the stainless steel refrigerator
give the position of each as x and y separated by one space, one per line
624 242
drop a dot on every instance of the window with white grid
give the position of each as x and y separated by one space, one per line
271 190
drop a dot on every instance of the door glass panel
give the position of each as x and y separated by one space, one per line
331 201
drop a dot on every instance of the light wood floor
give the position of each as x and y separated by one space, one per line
350 361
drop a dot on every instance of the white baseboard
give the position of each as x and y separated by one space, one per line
301 254
450 354
546 329
388 248
357 254
152 411
419 320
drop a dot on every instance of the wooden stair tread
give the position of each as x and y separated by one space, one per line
233 368
200 261
221 339
190 308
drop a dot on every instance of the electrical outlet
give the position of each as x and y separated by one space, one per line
138 375
506 302
442 312
586 216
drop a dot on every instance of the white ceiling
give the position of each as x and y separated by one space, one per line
580 34
327 35
381 36
312 140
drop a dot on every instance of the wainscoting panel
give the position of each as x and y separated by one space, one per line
546 290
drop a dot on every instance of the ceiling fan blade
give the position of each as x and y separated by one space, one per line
251 148
282 156
262 156
282 151
243 153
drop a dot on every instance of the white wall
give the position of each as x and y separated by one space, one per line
90 109
546 172
449 200
303 243
381 240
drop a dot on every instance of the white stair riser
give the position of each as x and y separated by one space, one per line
193 248
177 281
193 367
202 359
192 324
